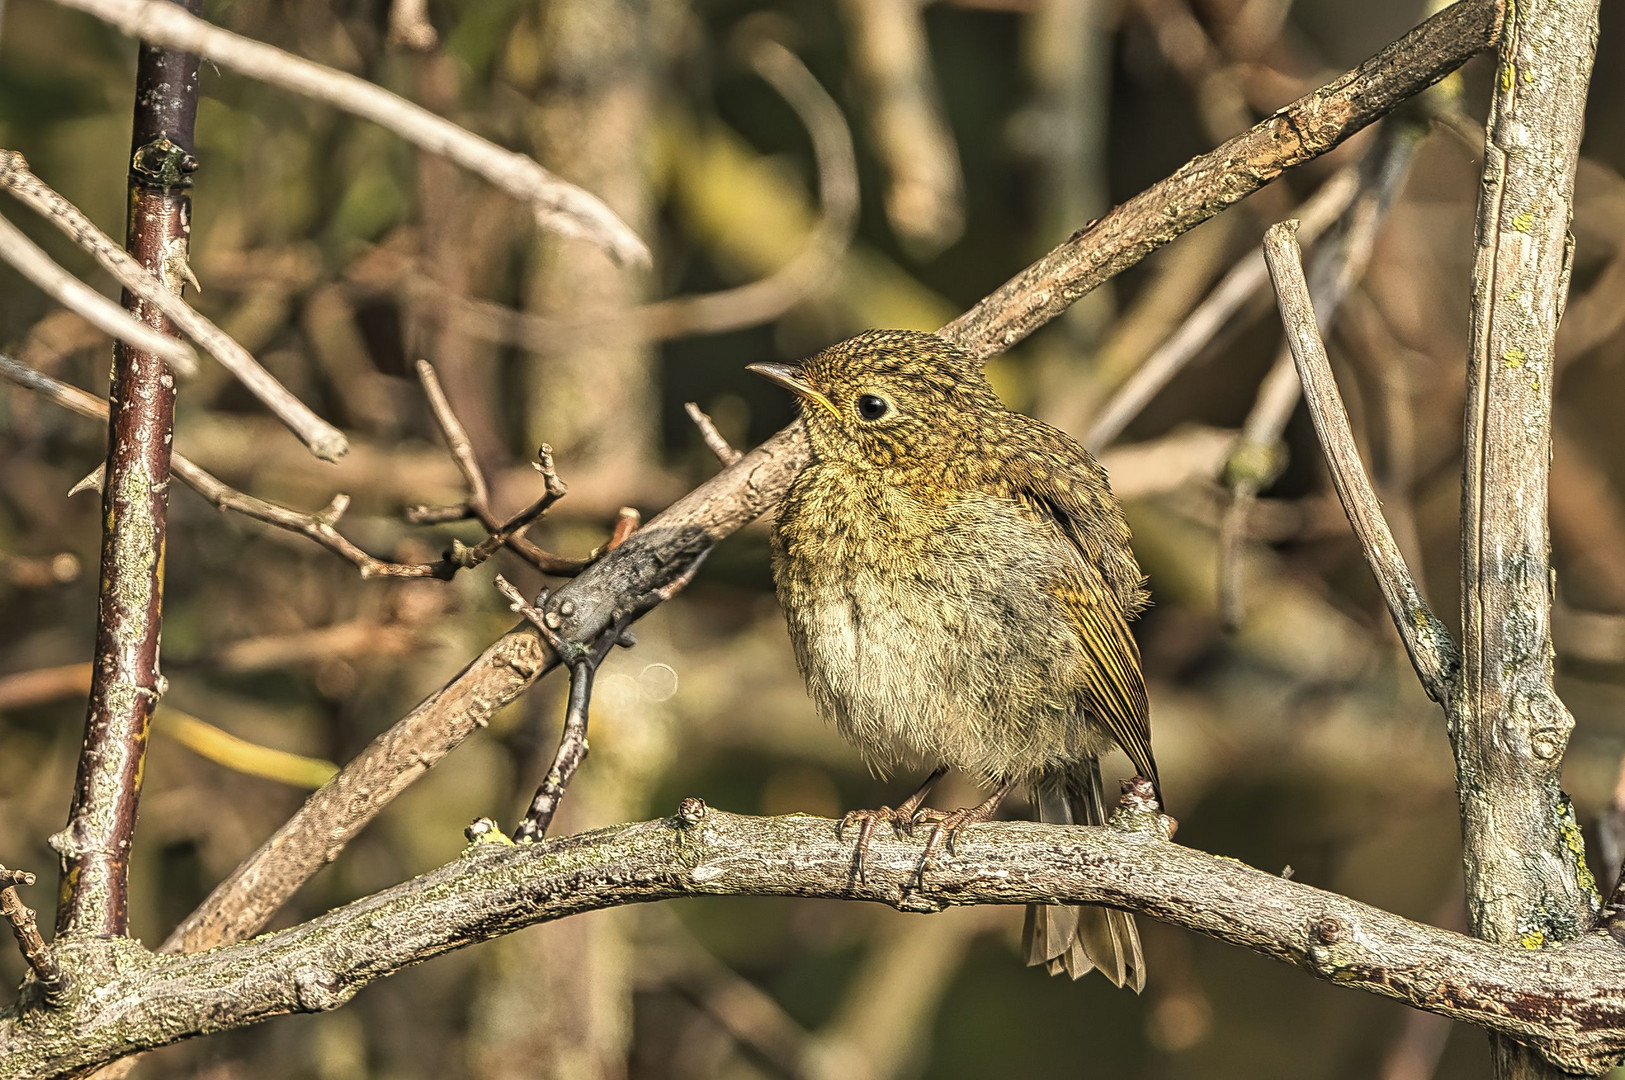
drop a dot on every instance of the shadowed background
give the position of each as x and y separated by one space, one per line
986 131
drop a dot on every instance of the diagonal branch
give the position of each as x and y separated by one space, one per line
559 205
1568 1002
1426 639
41 958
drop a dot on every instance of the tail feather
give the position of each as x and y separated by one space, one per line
1076 939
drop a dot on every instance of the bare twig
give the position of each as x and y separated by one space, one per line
30 260
321 526
1427 641
478 503
1259 455
41 958
1568 1001
583 664
713 438
559 205
126 683
162 290
925 198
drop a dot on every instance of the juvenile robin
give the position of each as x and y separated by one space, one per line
958 583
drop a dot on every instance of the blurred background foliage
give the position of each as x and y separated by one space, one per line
986 131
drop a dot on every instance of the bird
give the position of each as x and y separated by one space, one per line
958 581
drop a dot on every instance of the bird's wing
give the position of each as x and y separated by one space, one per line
1066 486
1113 686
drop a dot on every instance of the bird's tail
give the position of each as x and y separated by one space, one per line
1072 938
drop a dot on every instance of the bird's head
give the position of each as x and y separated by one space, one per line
890 399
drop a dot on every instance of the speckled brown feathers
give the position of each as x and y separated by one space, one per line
957 580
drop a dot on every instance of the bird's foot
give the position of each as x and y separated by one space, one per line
901 820
947 825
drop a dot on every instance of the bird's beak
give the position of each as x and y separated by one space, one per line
791 378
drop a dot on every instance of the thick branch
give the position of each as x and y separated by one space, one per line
559 205
1525 878
1570 1002
1426 640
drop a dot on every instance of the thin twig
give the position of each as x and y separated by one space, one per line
1428 643
583 664
1339 262
30 260
41 958
559 205
478 503
320 526
713 438
163 292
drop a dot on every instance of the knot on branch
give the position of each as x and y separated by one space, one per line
319 991
1138 811
1336 946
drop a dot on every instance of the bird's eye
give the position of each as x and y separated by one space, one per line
871 407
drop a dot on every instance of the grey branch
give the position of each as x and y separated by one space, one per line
1526 875
1431 649
324 440
1569 1002
559 205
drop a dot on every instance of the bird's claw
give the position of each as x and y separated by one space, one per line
901 820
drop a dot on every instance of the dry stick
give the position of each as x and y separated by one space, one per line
1235 289
162 291
322 525
925 191
41 958
1259 456
125 686
1522 850
660 557
1569 1001
714 439
583 664
559 205
30 260
1426 639
728 309
478 503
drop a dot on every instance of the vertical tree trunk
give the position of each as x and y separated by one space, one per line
1527 884
95 846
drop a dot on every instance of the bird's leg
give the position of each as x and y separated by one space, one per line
902 819
949 823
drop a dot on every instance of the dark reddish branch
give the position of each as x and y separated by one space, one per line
126 684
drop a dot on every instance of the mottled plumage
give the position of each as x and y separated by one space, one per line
957 580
